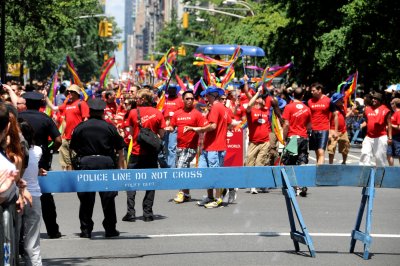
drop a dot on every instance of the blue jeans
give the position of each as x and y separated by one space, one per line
211 159
170 142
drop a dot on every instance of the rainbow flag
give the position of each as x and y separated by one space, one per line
279 72
350 82
243 124
277 128
128 155
181 84
161 102
52 93
105 69
75 76
164 67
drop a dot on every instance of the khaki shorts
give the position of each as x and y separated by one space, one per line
257 154
342 140
65 153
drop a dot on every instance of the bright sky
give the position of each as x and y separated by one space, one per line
116 9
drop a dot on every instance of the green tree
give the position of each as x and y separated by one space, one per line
42 33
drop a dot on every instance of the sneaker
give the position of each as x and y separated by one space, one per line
205 201
264 190
182 197
253 190
214 204
303 192
232 195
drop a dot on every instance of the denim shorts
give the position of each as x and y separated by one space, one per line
394 149
211 159
318 139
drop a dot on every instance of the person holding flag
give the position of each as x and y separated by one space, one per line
257 115
338 130
74 111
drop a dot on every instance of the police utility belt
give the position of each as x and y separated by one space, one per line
76 161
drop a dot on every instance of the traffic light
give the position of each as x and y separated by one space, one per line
102 28
109 31
185 20
105 57
181 51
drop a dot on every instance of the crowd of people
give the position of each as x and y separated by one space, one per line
101 132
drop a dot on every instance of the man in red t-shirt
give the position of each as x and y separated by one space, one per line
188 141
338 130
393 150
172 104
74 111
297 119
378 137
111 107
319 105
215 145
141 158
257 115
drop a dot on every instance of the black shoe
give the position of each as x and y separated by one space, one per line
129 218
148 219
85 235
54 236
112 233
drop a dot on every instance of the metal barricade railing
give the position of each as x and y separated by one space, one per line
283 177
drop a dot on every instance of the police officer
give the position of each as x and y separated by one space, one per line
97 144
44 127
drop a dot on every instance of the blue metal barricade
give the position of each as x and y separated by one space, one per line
269 176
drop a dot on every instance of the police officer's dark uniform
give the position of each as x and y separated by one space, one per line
44 127
96 144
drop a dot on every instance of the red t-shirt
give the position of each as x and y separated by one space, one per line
395 119
216 140
110 111
193 118
320 113
298 115
341 121
172 105
74 113
259 126
376 122
151 118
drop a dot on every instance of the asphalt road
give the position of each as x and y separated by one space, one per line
252 231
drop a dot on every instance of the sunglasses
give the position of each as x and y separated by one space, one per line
189 99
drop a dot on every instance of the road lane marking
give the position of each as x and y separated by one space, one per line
265 234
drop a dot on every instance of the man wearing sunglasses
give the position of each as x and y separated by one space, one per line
379 132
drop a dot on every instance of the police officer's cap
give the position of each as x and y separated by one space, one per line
33 96
97 104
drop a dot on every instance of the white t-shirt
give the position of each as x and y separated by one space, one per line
12 192
31 172
6 164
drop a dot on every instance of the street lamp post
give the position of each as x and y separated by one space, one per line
213 10
238 2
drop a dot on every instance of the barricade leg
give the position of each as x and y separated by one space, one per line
291 202
368 195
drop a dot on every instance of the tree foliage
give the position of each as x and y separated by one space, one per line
327 40
42 33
